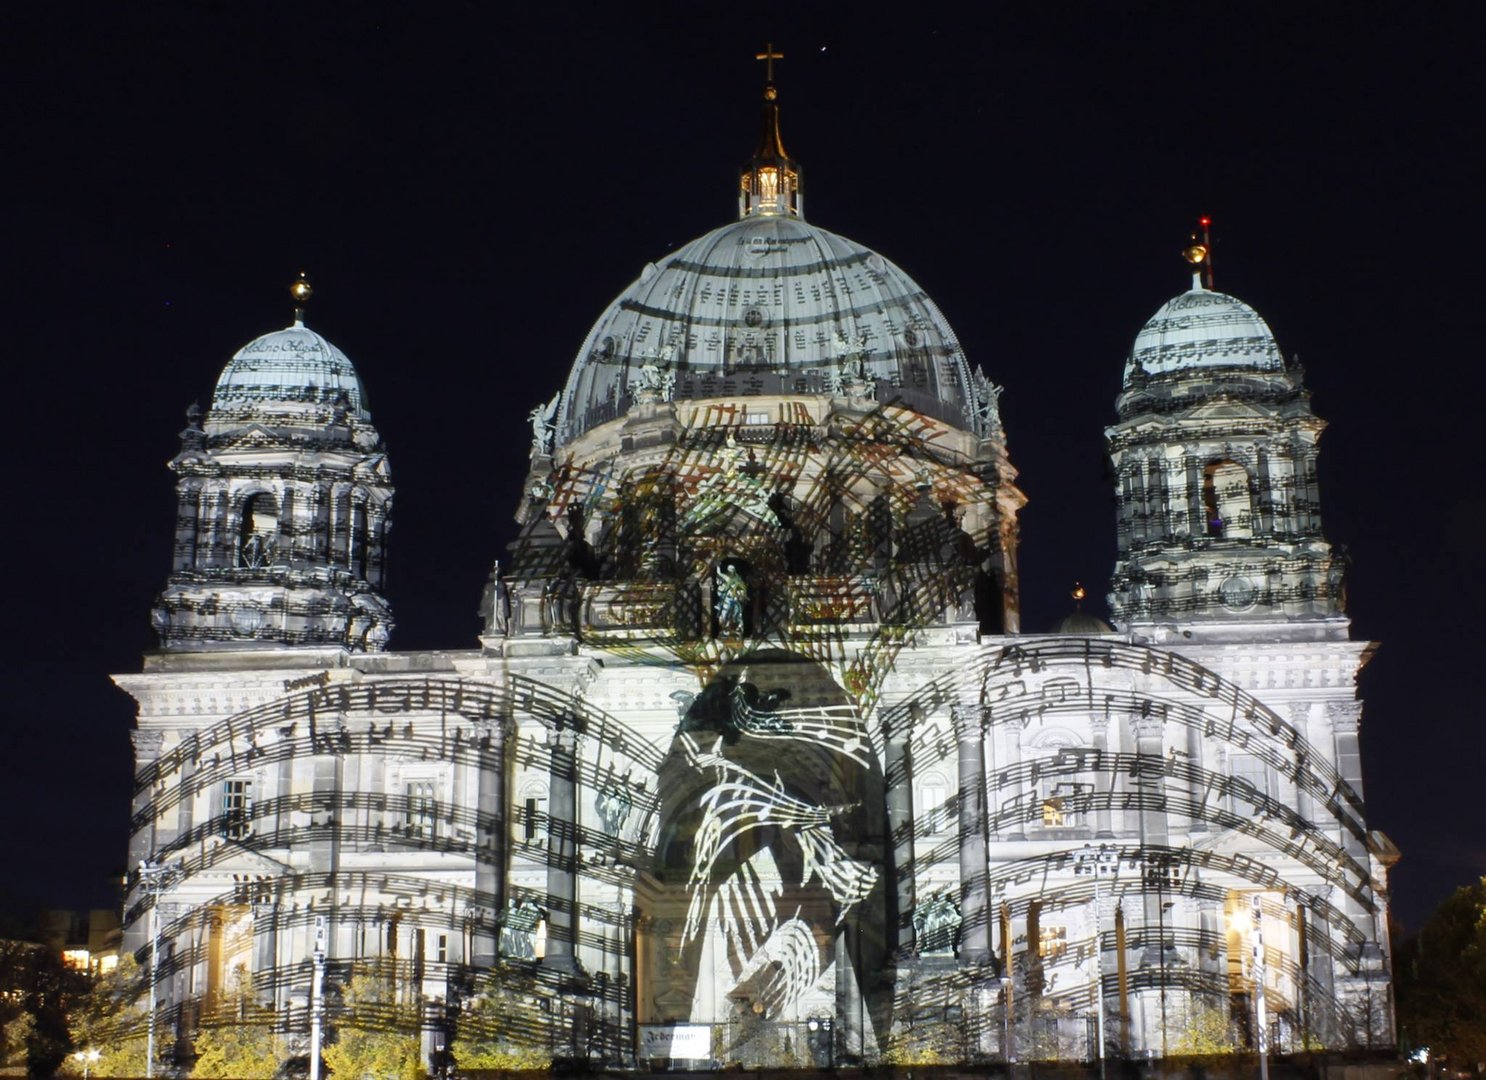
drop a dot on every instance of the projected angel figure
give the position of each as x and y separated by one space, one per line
770 847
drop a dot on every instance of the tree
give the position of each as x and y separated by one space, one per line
1202 1029
236 1039
501 1027
1441 981
376 1037
112 1018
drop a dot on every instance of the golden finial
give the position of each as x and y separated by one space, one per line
301 290
1078 593
1199 252
768 56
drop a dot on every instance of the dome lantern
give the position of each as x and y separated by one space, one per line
769 183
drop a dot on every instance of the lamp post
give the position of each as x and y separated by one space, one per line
1007 1050
823 1034
89 1058
154 878
1100 862
1158 865
317 998
1261 1017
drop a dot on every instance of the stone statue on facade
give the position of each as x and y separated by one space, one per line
732 600
543 427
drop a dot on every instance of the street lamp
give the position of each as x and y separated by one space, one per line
823 1035
1158 872
155 879
1261 1037
89 1058
1007 1050
317 998
1100 862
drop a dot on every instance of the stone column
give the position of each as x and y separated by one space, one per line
901 821
1153 827
562 880
974 928
490 857
1103 829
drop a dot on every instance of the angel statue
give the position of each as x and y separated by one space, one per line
543 427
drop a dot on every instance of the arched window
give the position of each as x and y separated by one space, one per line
259 531
934 808
1226 501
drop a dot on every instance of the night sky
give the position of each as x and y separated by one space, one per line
469 187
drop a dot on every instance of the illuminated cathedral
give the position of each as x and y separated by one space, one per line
754 763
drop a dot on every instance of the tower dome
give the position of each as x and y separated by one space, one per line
1203 330
290 368
767 305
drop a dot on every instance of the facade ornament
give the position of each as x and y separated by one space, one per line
936 925
518 932
612 803
543 427
732 599
147 744
851 378
1345 716
256 552
985 404
495 604
656 382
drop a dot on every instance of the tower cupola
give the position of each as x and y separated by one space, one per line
1215 455
284 496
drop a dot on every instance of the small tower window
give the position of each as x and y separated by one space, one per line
237 809
1226 503
260 530
421 816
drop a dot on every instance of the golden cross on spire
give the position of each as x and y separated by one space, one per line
768 56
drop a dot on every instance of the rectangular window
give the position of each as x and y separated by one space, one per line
757 418
443 950
1060 806
237 809
1255 775
536 809
422 807
1053 942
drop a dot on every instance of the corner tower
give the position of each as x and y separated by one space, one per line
1215 459
284 497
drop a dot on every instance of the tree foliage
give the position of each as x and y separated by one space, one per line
1441 981
236 1039
1203 1029
113 1018
502 1028
37 994
376 1036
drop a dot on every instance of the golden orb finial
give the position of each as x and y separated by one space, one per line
1196 254
1078 593
301 290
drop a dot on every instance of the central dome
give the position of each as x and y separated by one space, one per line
766 305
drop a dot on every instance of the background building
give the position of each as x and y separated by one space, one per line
753 761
